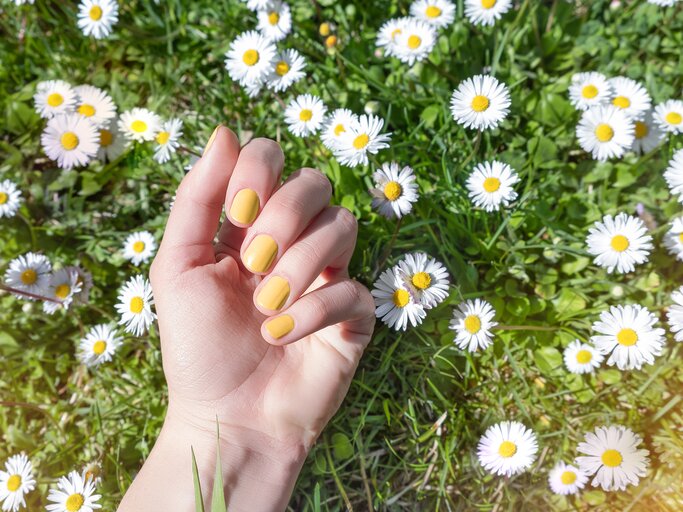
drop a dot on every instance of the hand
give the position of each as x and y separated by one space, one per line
261 330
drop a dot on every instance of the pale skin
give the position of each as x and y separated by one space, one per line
271 389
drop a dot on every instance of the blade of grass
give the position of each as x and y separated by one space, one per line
198 500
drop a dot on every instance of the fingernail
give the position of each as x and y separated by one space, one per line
274 293
211 139
279 326
245 206
260 254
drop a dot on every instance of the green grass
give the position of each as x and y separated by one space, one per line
405 438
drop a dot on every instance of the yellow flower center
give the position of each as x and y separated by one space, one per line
281 68
95 13
619 243
136 305
604 132
414 42
339 129
401 298
106 138
86 110
13 483
139 246
480 103
432 11
421 280
472 324
568 477
62 291
395 33
306 115
507 449
55 99
324 29
99 347
138 126
627 337
331 41
29 276
273 18
621 102
3 198
361 141
674 118
69 140
641 130
392 191
74 502
250 57
583 356
589 92
680 237
487 4
611 458
163 137
491 184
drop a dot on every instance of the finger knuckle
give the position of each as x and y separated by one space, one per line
346 219
318 179
318 307
306 254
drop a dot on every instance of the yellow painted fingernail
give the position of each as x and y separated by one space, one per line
274 293
260 254
245 206
279 326
211 139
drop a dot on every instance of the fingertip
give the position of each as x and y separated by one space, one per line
275 330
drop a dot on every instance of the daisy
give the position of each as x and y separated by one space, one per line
611 453
675 314
362 137
167 140
61 290
139 247
10 199
395 306
663 3
139 124
395 190
480 102
84 281
472 322
135 305
54 97
112 142
581 357
673 240
439 13
631 97
589 90
304 115
287 69
70 139
425 278
15 482
486 12
605 132
275 21
96 17
490 185
388 35
95 104
674 175
628 334
669 116
507 448
566 479
29 273
415 41
647 135
250 58
619 243
256 5
74 493
99 345
336 125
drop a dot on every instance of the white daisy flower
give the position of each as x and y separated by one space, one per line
389 35
589 90
287 69
472 322
605 132
439 13
486 12
631 97
628 334
29 273
336 125
54 97
16 481
74 493
415 41
99 345
84 281
167 140
395 190
253 89
425 278
675 314
61 290
507 448
275 21
674 175
480 102
139 124
304 115
647 135
135 305
619 243
22 2
250 58
611 454
96 17
669 116
10 199
256 5
490 185
112 142
582 358
673 240
95 104
663 3
566 479
70 139
139 247
395 306
361 138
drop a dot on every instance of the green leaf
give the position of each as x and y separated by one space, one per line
218 492
198 500
343 449
547 359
